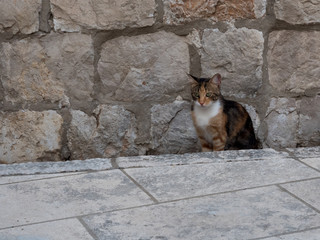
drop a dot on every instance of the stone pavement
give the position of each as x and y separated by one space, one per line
254 194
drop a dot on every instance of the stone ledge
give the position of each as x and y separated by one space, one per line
99 164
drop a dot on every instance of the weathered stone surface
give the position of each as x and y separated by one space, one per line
111 133
177 11
70 229
72 16
52 69
55 167
306 190
294 60
309 234
254 117
309 122
172 130
19 16
282 123
200 158
144 67
67 197
248 214
298 11
216 177
30 136
237 56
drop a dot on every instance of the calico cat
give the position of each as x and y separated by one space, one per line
220 124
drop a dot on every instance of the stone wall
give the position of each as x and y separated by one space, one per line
104 78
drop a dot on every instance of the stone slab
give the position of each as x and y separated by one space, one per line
237 55
309 191
58 198
297 11
239 215
19 16
72 16
306 235
70 229
55 167
293 60
313 162
305 152
202 179
26 178
199 158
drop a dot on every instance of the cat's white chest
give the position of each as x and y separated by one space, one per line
204 114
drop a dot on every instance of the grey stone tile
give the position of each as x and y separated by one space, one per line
196 158
305 152
55 167
176 182
309 191
307 235
57 198
239 215
70 229
313 162
22 178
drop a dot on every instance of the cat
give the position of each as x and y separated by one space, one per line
220 124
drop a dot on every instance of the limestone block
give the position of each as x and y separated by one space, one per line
30 136
298 11
19 16
172 130
110 133
145 67
178 12
309 122
53 69
237 56
282 123
72 16
294 60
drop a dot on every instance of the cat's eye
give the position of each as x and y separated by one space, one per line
196 94
209 94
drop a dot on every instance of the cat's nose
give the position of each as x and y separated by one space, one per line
201 103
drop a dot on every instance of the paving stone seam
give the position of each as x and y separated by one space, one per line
298 198
140 186
170 201
288 233
88 229
45 178
293 156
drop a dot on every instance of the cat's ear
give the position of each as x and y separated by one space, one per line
216 79
192 79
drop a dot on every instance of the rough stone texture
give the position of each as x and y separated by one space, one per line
30 136
178 12
111 133
294 60
144 67
309 125
56 167
308 191
237 56
282 123
54 69
298 11
202 179
66 197
172 130
199 158
72 16
70 229
248 214
19 16
292 123
310 235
